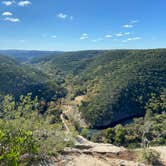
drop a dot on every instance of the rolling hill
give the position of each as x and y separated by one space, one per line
17 79
27 55
117 84
104 88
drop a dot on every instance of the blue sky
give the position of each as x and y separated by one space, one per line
82 24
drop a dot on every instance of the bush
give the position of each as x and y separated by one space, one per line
16 144
150 156
84 132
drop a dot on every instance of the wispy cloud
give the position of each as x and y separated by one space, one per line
24 3
127 33
8 3
108 36
132 39
54 36
62 16
134 21
7 14
119 34
128 26
20 3
10 19
84 36
97 40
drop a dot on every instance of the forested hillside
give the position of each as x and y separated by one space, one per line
113 86
30 124
121 83
116 84
17 79
27 55
68 62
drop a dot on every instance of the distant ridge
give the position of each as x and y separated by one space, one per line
27 55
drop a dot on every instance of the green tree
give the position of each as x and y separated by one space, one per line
15 143
8 107
120 135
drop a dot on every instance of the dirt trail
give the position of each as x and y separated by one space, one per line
82 143
66 128
87 153
84 151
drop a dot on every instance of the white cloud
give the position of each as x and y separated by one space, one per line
10 19
7 14
94 40
97 40
128 26
134 21
54 36
119 34
134 38
108 36
131 39
24 3
127 33
122 34
84 36
62 15
8 3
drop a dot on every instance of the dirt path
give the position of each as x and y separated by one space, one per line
87 153
82 143
66 128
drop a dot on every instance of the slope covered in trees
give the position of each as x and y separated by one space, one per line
116 84
17 79
113 86
27 55
120 83
68 62
145 131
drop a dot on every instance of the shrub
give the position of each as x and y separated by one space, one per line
84 132
16 144
150 156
